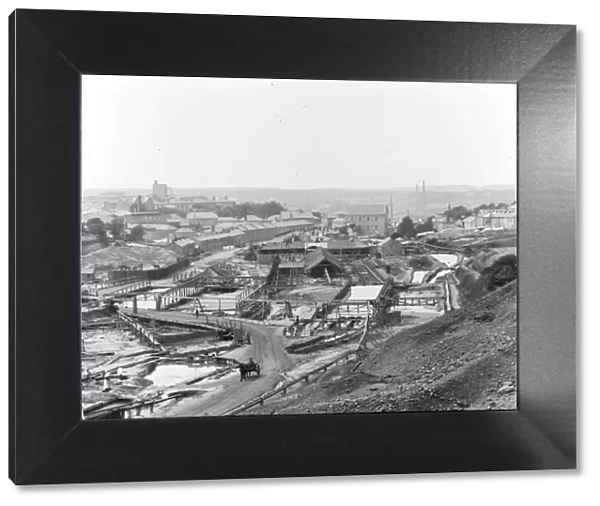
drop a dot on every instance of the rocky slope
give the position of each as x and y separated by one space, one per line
465 359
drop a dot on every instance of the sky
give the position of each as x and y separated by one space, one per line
298 134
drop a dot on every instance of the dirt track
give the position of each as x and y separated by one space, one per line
222 395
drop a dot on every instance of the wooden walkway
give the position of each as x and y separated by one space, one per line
203 320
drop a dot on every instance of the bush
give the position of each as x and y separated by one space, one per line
501 272
421 263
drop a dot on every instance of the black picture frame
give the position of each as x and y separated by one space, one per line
50 50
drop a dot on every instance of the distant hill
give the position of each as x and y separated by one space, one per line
336 199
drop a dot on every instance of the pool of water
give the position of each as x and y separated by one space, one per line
171 374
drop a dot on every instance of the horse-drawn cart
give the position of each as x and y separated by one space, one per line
246 370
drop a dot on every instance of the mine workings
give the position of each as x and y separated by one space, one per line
355 327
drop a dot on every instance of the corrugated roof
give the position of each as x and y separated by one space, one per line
366 209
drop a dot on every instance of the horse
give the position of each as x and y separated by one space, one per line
247 369
243 372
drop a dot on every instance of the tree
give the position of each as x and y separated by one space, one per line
343 230
457 213
227 212
428 226
260 209
116 228
137 233
406 228
95 226
317 214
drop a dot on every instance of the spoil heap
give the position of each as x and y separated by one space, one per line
465 359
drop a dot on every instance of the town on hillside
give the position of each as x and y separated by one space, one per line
206 304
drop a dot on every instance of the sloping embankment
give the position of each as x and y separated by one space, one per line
465 359
462 359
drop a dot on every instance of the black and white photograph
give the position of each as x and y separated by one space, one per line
277 247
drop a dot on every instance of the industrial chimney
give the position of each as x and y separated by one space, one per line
417 200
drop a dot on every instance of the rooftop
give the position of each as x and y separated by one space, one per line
364 293
296 215
320 255
202 215
129 255
372 209
185 242
345 245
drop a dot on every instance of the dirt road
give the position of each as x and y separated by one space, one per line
224 394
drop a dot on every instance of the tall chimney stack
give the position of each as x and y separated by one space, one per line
417 199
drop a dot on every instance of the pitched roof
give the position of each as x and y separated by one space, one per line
185 242
184 230
366 209
252 217
320 255
391 247
202 215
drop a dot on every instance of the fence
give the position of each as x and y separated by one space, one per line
283 389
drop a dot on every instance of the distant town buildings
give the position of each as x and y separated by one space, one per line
161 190
133 219
371 218
496 218
202 219
296 215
